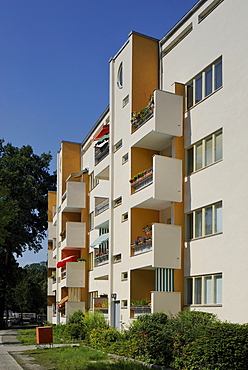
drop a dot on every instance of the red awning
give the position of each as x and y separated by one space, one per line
63 300
67 259
103 131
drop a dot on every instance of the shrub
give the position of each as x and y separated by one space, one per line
151 337
222 346
75 331
76 317
93 320
103 337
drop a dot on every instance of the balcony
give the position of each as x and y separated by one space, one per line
162 185
102 206
101 259
169 302
73 199
51 232
73 236
101 150
74 275
161 120
51 262
163 245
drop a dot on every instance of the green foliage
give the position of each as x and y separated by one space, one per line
93 320
76 317
221 346
153 342
75 331
103 337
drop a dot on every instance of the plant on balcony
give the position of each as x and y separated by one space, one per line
63 233
143 239
81 260
53 276
141 176
101 254
142 302
140 117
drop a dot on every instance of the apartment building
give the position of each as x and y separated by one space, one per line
151 208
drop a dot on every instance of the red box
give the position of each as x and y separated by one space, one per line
44 334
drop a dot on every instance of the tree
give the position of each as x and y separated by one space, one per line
24 184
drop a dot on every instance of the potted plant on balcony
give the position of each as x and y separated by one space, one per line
81 260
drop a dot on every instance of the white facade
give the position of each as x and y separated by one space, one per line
193 194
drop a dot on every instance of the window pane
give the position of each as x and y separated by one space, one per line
208 289
189 161
198 223
218 147
189 226
198 159
198 88
218 75
208 81
218 289
189 95
208 220
189 287
198 290
218 218
208 151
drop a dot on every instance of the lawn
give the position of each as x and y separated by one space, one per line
28 336
79 358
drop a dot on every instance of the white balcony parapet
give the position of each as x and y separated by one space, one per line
74 235
74 275
160 123
163 187
73 200
163 251
168 302
101 259
51 232
51 262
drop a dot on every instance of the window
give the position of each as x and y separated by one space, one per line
93 182
209 9
204 152
91 220
120 77
91 264
117 258
203 290
118 145
117 202
124 276
124 217
125 158
204 221
204 84
125 101
124 303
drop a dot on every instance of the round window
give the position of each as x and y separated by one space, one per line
120 77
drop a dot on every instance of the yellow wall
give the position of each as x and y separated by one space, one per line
178 207
140 218
51 203
144 70
141 159
70 160
142 283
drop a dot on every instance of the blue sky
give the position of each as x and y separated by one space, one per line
54 70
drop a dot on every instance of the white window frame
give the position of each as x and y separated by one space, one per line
203 290
203 214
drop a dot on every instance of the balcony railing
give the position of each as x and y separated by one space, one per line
101 153
101 207
101 259
142 179
139 118
63 274
141 247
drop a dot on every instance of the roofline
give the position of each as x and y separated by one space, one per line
95 125
194 8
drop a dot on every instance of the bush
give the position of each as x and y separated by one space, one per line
76 317
94 320
151 337
222 346
75 331
103 337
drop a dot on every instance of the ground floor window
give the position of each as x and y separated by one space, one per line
203 290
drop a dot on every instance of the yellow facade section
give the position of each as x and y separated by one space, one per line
144 70
71 161
51 202
140 218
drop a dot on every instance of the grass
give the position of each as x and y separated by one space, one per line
80 358
28 336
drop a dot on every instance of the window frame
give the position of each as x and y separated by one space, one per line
195 292
192 153
191 87
196 226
